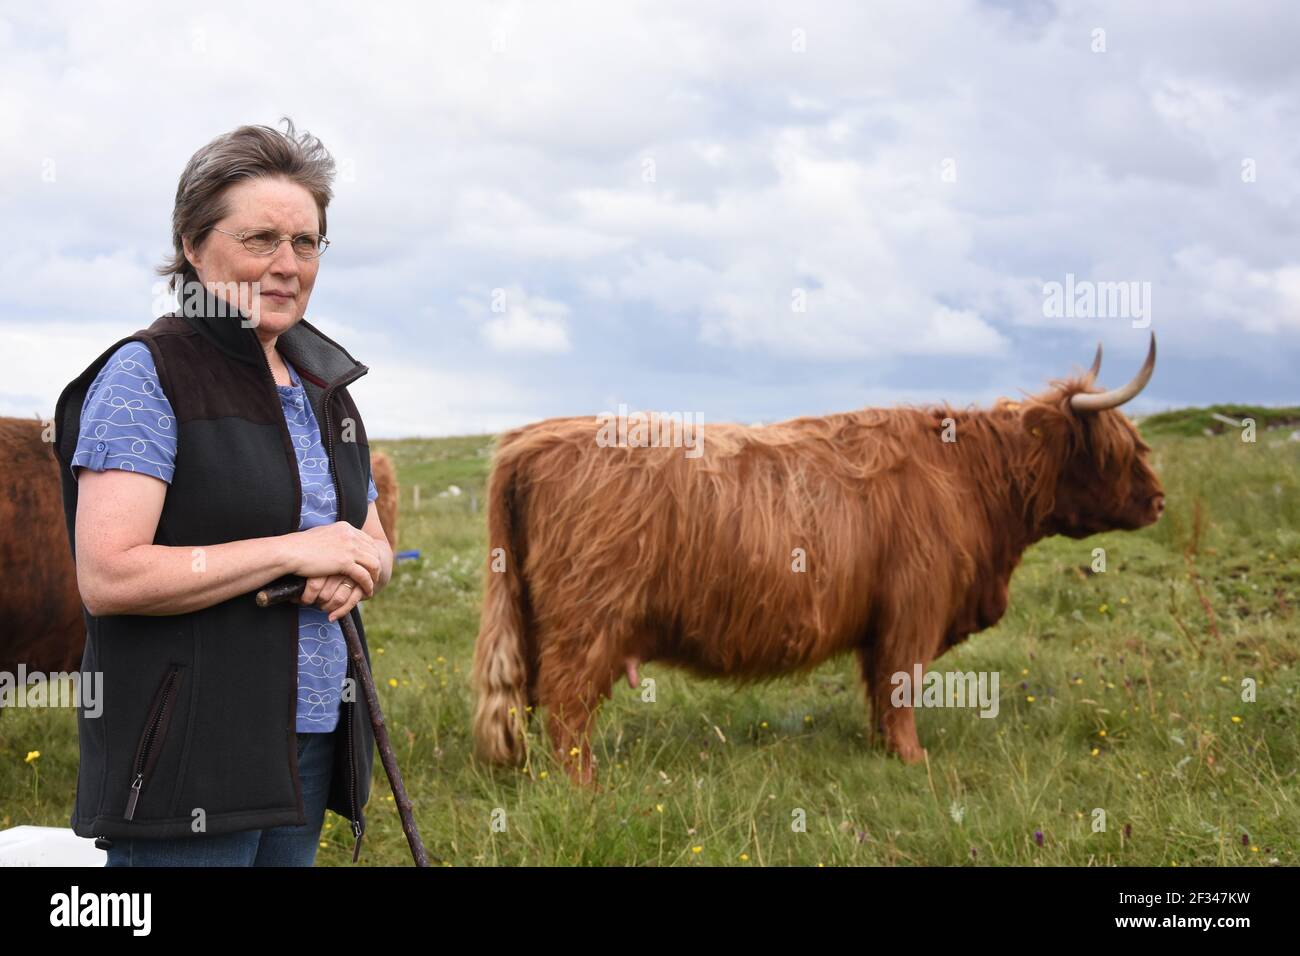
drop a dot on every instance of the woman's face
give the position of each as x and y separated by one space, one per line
283 281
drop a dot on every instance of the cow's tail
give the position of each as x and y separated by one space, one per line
501 669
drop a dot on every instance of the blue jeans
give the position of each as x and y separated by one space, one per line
276 846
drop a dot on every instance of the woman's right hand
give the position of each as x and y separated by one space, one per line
338 548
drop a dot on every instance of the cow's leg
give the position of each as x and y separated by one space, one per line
876 727
570 722
570 687
882 660
896 724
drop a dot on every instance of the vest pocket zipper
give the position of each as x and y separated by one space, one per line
155 730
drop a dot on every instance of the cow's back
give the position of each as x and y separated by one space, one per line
749 560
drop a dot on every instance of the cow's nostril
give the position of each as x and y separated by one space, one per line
1159 503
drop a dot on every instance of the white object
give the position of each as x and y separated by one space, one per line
48 846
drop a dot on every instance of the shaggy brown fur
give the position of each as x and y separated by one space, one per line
385 477
40 608
609 556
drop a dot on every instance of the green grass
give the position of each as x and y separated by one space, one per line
1189 422
1118 694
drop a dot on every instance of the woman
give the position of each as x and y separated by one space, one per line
202 458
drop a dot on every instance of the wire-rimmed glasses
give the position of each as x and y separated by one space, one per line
263 242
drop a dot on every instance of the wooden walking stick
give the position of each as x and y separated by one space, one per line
291 586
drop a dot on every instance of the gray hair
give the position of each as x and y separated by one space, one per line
249 152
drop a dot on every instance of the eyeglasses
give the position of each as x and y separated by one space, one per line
262 242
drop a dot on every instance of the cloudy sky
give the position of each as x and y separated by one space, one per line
745 210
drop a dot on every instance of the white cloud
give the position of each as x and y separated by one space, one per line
514 321
504 147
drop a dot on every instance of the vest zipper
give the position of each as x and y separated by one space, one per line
161 710
357 826
294 522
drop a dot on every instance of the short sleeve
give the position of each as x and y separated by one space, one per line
372 492
126 420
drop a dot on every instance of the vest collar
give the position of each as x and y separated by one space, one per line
317 357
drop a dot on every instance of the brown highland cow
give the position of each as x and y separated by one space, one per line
909 522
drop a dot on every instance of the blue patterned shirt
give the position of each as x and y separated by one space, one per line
128 423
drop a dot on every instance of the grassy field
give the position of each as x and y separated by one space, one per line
1121 692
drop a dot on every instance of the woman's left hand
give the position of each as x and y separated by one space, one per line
335 593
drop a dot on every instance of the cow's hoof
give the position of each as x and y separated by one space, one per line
911 754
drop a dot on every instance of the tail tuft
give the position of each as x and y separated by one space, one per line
500 664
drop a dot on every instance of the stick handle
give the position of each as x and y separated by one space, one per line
280 590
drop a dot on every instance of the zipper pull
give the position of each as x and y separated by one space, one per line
356 832
135 796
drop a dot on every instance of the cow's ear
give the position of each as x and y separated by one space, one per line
1045 452
1043 421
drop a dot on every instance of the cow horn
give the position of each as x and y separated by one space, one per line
1096 402
1096 365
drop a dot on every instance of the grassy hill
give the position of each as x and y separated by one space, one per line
1121 696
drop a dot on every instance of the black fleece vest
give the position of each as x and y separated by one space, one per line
199 714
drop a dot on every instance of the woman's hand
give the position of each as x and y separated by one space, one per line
337 550
335 593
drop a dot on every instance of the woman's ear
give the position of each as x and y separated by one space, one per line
191 253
